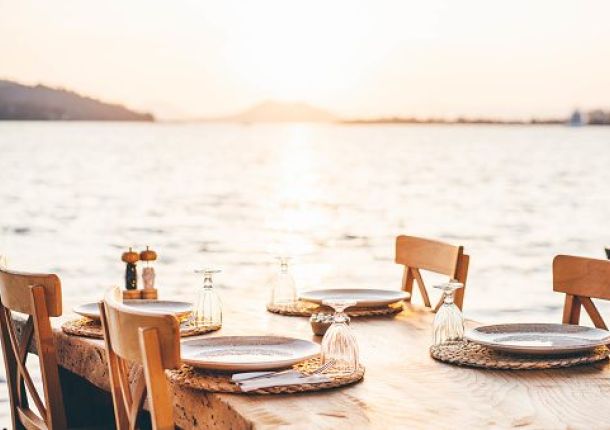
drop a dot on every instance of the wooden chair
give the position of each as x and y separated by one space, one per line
417 254
150 340
581 279
39 297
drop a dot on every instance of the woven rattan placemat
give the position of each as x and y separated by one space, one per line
92 328
306 309
206 380
464 353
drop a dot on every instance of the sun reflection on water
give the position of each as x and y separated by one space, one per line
294 210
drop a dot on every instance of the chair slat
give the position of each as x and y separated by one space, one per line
581 279
29 419
45 347
23 371
139 395
38 296
120 408
14 289
421 285
149 340
580 276
427 254
26 339
125 387
161 406
593 313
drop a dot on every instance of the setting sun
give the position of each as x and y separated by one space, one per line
369 58
291 214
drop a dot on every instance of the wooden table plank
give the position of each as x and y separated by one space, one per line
403 386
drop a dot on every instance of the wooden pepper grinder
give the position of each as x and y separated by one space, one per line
131 275
148 274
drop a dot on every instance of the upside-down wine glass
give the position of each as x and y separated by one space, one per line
448 321
339 343
283 287
207 311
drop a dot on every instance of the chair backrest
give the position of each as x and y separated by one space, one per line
581 279
39 297
151 340
416 253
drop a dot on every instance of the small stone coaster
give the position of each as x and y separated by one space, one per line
306 309
464 353
91 328
218 382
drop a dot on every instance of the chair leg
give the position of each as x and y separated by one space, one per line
571 310
407 282
461 275
591 309
422 287
10 364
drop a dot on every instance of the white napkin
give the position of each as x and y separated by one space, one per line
281 380
238 377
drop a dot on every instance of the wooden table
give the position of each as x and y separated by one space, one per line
403 387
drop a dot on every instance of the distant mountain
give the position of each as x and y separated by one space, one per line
273 111
22 102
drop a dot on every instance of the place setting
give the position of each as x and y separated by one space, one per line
243 364
279 364
204 316
272 364
367 302
90 325
516 346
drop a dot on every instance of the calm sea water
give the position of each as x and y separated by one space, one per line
75 195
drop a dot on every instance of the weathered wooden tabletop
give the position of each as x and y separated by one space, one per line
403 387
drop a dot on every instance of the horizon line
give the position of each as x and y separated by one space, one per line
372 118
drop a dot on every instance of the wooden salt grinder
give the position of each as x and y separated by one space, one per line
148 274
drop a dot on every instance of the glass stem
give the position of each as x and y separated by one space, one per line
340 316
448 300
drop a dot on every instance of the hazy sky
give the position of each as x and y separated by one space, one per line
357 58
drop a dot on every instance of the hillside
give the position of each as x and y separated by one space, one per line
22 102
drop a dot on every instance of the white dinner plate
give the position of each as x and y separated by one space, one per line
247 353
539 338
180 309
363 297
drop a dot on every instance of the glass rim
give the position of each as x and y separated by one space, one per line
450 286
208 271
